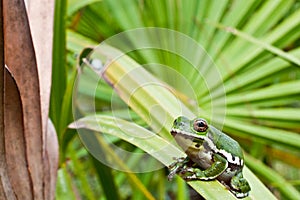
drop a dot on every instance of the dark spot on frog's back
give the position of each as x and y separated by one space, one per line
197 145
233 158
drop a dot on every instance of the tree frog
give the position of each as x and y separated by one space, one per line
211 154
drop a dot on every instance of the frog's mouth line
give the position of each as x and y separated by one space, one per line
185 134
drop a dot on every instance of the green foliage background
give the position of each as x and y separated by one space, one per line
255 45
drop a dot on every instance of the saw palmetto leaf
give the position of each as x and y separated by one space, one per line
254 46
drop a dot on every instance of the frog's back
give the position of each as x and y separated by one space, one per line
224 142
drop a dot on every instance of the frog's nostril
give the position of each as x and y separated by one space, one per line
175 122
180 121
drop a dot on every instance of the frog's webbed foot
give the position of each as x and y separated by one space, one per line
177 166
240 186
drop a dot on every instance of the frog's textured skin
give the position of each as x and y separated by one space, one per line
211 154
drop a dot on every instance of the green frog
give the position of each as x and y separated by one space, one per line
211 154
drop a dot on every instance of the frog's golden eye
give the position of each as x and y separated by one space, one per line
200 125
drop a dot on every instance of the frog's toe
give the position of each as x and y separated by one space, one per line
190 177
179 162
171 176
241 194
172 165
180 159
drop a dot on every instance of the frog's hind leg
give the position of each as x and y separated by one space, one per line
240 186
178 166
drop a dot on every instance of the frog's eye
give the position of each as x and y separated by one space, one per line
200 125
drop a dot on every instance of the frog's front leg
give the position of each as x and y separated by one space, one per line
218 167
240 186
179 165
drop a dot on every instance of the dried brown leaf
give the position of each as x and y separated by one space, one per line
20 58
15 148
6 191
40 14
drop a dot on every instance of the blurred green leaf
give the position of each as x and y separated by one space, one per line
75 5
64 189
274 178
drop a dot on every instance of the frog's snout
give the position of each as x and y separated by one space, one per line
177 122
180 124
180 121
